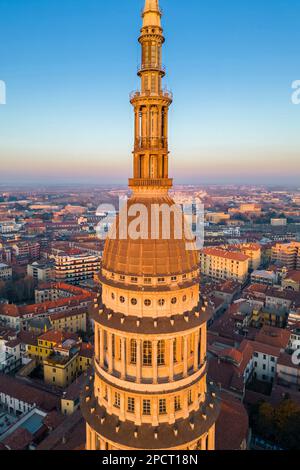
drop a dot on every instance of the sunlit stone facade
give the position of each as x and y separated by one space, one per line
149 389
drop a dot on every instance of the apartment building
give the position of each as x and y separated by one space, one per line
288 254
74 266
222 264
5 272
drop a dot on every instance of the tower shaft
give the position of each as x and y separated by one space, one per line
151 105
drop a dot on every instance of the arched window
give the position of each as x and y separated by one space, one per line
161 353
147 353
133 351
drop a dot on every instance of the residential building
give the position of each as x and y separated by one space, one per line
41 271
5 272
288 254
292 281
74 266
222 264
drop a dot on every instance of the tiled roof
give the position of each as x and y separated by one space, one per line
9 310
18 440
293 275
86 350
69 435
24 392
273 336
232 426
231 255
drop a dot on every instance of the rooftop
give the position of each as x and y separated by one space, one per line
231 255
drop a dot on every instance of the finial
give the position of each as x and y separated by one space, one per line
151 5
151 13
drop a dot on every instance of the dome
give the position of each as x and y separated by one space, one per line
148 256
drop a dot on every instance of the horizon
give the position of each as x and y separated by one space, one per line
68 120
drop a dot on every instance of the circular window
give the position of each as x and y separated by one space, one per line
133 301
147 302
113 296
122 299
184 298
173 300
161 302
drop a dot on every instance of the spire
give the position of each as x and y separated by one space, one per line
151 5
151 13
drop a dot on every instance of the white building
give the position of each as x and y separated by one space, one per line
5 272
42 272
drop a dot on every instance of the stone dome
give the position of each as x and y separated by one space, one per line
146 256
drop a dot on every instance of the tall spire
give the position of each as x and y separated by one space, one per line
151 104
151 5
151 13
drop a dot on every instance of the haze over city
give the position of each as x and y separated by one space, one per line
68 119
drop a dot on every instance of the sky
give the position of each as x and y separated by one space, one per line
69 66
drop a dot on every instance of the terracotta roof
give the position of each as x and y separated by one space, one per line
74 390
9 310
68 313
286 360
293 275
13 343
261 288
231 255
232 426
265 349
86 350
18 440
53 419
69 435
26 337
273 336
29 394
226 375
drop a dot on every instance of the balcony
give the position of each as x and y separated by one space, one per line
158 182
148 66
143 143
162 94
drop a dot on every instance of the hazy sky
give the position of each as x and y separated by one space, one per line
69 66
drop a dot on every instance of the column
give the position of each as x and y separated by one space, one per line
123 358
154 360
88 438
122 406
171 346
185 356
102 444
196 351
96 341
211 438
110 353
93 440
101 346
109 400
138 360
155 412
202 343
138 411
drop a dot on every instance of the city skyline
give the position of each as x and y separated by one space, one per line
67 118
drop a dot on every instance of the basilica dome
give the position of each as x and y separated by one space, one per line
166 253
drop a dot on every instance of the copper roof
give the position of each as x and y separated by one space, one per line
152 257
